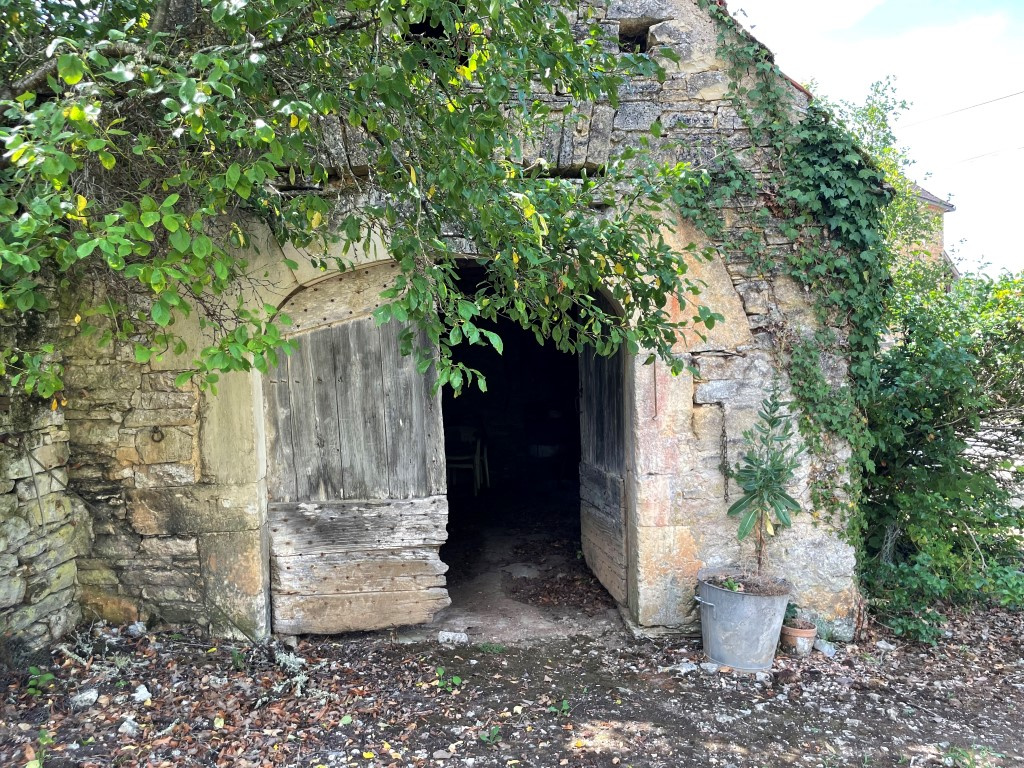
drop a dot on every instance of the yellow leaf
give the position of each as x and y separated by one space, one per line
78 319
316 220
369 755
218 722
53 405
578 744
386 747
80 203
431 191
293 121
768 527
515 259
412 175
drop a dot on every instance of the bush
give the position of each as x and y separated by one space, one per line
942 511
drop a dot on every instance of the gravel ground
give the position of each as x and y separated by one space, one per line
125 696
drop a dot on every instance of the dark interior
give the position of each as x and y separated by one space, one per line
527 425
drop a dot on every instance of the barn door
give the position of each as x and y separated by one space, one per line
603 469
356 484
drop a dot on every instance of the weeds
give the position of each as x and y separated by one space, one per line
38 681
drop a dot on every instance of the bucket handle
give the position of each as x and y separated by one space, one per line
701 600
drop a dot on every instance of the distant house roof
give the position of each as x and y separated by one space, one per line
928 197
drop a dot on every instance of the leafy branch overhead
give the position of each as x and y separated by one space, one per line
147 144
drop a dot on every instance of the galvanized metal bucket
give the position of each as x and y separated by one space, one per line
739 629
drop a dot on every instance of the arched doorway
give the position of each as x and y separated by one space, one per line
357 485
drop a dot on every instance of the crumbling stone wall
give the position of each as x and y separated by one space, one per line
43 527
174 478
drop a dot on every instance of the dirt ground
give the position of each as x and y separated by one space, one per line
126 696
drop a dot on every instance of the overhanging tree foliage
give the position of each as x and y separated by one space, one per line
146 141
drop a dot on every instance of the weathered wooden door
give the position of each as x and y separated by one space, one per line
603 469
356 484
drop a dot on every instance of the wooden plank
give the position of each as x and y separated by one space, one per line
433 433
352 526
352 573
404 417
280 457
322 365
361 410
329 614
602 490
306 455
604 554
348 296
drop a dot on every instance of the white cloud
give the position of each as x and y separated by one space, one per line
940 66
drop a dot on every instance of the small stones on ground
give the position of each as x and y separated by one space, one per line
452 638
129 728
825 647
136 630
885 645
763 677
710 667
685 668
142 694
84 699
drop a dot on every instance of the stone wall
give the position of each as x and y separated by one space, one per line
169 525
43 528
175 479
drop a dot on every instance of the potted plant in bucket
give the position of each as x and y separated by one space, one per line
742 610
798 634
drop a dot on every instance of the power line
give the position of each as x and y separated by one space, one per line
988 154
962 109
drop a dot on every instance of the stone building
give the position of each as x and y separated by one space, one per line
315 499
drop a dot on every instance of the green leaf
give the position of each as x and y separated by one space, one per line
70 68
142 353
202 246
107 160
747 524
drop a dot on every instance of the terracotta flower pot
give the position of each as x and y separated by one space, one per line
797 638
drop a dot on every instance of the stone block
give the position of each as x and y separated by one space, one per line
49 510
236 570
8 503
166 445
170 546
169 417
674 35
110 547
111 606
162 575
641 10
160 400
16 530
164 475
708 86
12 590
666 575
636 116
97 576
54 579
231 437
37 486
196 509
40 610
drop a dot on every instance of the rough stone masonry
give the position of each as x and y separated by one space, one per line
173 481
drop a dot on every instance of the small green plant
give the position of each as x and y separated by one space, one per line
973 757
562 709
767 467
491 648
492 735
446 681
43 740
237 660
731 584
38 681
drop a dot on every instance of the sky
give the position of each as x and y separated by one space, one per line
946 56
